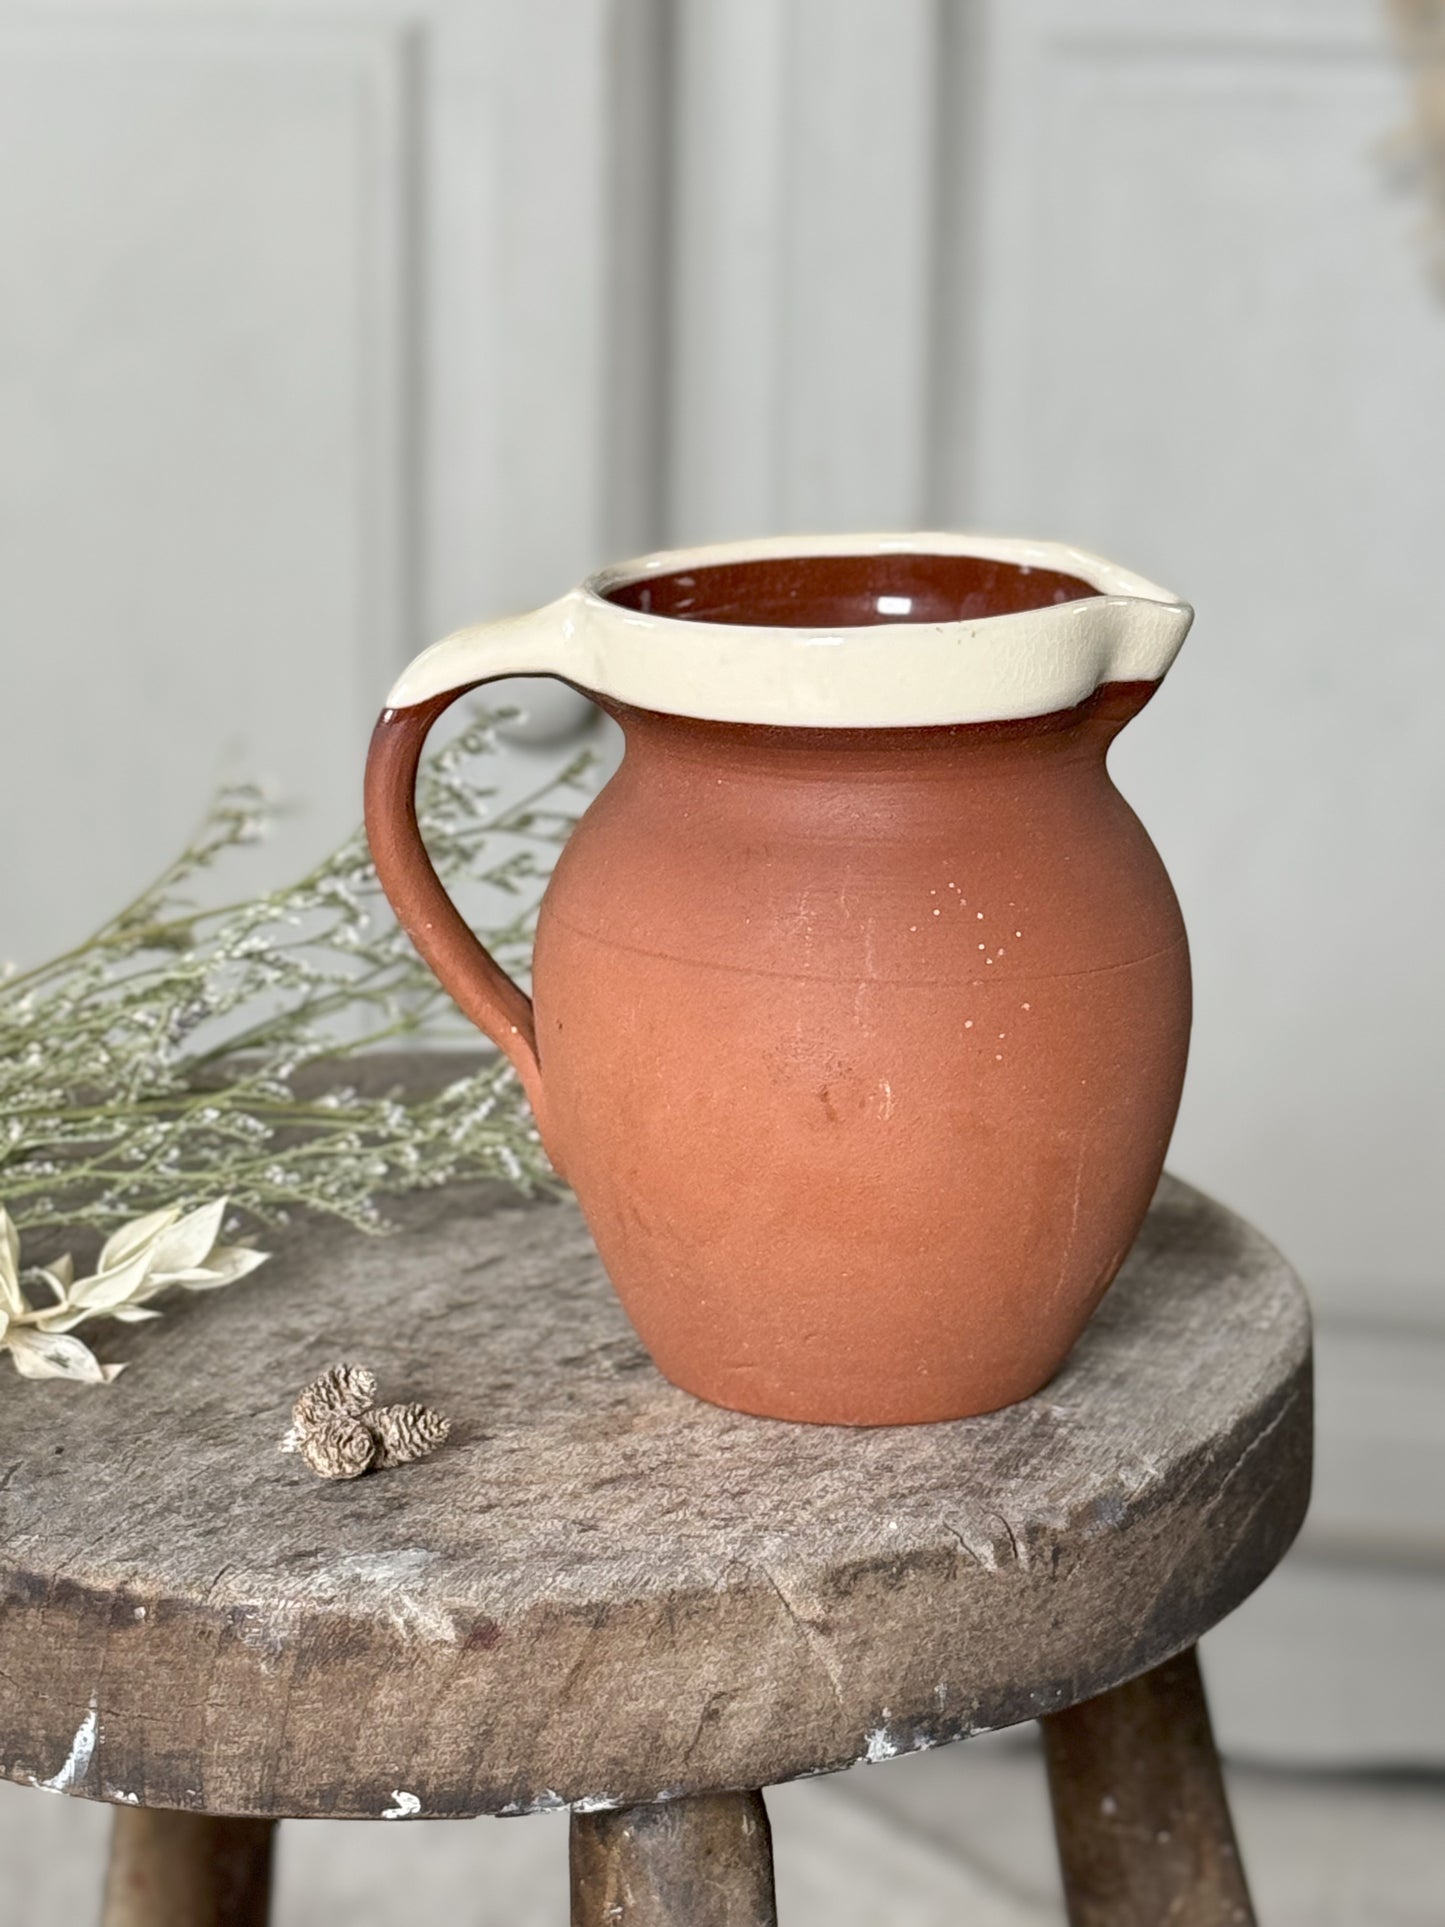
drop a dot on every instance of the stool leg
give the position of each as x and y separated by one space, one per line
1140 1813
700 1862
187 1870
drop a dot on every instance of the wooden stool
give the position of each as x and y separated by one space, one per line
604 1594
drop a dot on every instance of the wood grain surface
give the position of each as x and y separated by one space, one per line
601 1590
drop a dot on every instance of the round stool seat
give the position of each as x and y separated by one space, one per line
601 1591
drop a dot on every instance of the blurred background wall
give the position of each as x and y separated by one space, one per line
327 326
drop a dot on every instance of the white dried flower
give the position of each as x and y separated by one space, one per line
141 1260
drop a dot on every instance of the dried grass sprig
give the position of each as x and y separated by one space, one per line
154 1066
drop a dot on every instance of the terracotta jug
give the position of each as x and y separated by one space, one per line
860 995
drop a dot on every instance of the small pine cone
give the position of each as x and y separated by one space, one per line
346 1391
339 1447
406 1432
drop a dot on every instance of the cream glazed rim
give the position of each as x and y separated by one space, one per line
890 673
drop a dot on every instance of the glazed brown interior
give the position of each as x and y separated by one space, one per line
849 591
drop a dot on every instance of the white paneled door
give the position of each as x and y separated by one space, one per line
325 327
1207 341
204 565
309 317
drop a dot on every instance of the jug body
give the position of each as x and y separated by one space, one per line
861 1039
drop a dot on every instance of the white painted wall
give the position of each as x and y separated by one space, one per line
324 327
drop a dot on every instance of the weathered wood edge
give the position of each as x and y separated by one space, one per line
791 1735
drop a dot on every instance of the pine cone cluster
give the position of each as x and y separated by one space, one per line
341 1432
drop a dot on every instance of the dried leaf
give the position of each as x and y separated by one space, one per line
114 1287
45 1355
135 1237
225 1265
184 1246
61 1318
55 1279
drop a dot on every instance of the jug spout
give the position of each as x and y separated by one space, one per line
1137 636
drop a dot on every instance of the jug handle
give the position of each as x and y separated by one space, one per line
461 963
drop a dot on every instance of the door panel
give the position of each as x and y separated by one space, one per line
202 339
1210 346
